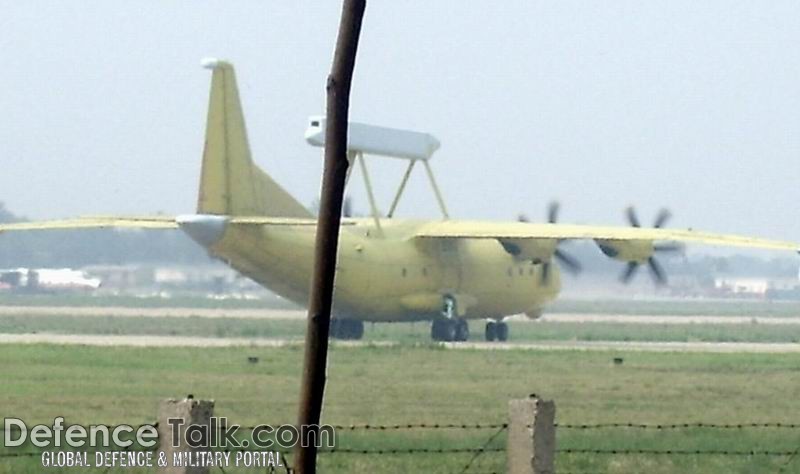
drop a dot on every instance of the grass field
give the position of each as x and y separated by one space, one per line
522 331
424 384
417 382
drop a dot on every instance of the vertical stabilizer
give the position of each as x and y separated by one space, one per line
230 183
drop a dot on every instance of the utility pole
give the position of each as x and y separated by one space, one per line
327 239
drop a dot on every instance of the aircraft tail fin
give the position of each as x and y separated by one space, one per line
230 183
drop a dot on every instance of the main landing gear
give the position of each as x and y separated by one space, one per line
449 330
347 329
496 331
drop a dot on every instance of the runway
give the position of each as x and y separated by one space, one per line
666 319
295 314
613 346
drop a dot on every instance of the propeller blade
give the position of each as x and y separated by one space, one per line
630 212
552 212
668 247
569 262
630 269
662 218
657 271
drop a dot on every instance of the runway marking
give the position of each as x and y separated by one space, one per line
183 341
666 319
293 314
164 341
718 347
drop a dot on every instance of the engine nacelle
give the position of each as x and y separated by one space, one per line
535 250
627 250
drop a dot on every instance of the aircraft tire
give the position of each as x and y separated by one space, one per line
435 331
443 330
502 332
462 330
346 329
491 331
449 330
357 329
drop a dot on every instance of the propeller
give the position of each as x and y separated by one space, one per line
656 270
570 263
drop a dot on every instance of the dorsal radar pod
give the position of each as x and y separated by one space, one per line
363 139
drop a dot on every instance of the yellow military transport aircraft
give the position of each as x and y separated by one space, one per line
444 271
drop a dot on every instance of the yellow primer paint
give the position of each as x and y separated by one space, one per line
392 277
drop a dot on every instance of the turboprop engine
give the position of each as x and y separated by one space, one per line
542 251
639 252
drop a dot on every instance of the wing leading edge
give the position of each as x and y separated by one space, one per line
145 222
533 231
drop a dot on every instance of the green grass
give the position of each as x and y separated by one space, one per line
425 384
400 332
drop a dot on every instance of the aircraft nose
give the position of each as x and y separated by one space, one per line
205 229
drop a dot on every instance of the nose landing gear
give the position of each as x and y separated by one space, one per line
449 327
449 330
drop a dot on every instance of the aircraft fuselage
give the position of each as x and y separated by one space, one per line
387 275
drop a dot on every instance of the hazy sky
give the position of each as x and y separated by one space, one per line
690 105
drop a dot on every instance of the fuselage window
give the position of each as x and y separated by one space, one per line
530 271
424 271
521 271
404 272
510 272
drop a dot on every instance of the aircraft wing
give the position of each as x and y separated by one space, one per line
521 231
95 222
148 222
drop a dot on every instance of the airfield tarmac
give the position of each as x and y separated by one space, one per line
183 341
290 314
131 340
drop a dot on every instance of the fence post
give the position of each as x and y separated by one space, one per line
531 436
191 412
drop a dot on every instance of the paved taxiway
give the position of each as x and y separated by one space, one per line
180 341
293 314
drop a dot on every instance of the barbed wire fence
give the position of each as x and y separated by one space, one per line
494 443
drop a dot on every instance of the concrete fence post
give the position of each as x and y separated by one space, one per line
531 436
190 412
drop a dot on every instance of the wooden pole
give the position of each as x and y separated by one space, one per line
327 239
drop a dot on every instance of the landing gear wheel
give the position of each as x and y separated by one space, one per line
491 331
502 332
436 329
346 329
356 329
443 330
462 330
335 328
449 330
